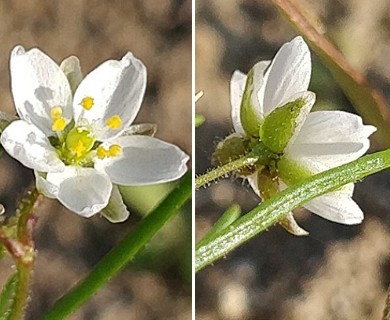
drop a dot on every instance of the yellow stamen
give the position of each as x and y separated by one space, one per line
87 103
101 152
58 124
78 149
114 150
55 113
115 122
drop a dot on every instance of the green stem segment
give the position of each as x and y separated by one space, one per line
271 211
259 156
117 258
386 311
224 170
24 255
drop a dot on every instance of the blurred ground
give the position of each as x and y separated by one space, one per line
158 33
337 272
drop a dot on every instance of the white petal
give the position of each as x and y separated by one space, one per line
144 160
336 207
237 86
38 84
48 189
29 145
329 139
84 191
117 88
259 87
116 211
289 73
71 68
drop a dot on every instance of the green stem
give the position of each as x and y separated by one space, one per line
24 258
272 210
22 291
386 311
216 173
260 156
117 258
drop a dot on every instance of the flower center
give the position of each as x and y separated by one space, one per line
77 145
79 142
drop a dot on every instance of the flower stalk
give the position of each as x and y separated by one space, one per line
23 251
224 170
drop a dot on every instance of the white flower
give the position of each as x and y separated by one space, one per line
320 141
80 145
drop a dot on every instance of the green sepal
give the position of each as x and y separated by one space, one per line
199 120
232 148
71 67
291 172
228 217
268 184
280 125
248 116
291 226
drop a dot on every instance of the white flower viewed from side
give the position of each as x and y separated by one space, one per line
272 105
77 135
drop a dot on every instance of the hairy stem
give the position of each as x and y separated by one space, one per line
24 256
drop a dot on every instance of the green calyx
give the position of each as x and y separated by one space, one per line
235 147
280 125
232 148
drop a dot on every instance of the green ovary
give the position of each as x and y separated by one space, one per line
76 146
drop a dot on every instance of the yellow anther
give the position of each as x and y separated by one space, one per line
101 152
56 113
58 124
114 150
115 122
78 149
87 103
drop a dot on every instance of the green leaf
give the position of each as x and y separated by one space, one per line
269 212
228 217
7 296
281 124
